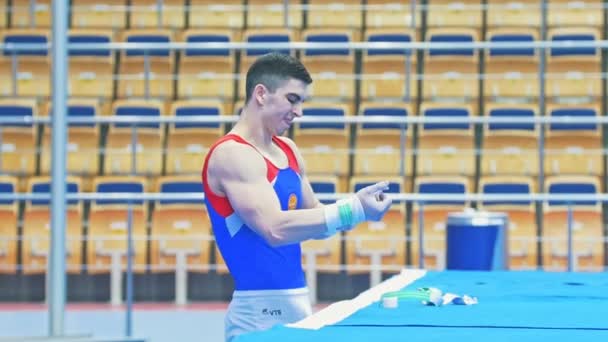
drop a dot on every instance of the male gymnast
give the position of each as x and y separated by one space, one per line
261 204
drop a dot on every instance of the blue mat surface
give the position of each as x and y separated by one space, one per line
506 299
513 306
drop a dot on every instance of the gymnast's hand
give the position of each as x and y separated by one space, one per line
373 200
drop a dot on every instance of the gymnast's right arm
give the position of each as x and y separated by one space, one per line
238 173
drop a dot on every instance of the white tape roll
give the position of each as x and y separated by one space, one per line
390 302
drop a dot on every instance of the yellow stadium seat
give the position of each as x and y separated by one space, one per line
109 224
434 215
107 14
451 74
332 70
138 81
378 145
324 255
148 149
324 146
511 74
391 13
446 148
33 66
327 14
262 35
18 144
461 13
179 227
271 13
91 72
327 184
510 148
23 15
4 8
385 72
188 143
384 240
521 217
562 13
502 13
9 211
83 140
572 148
574 73
210 14
7 80
206 73
587 225
147 14
37 225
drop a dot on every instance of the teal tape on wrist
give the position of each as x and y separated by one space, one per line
346 214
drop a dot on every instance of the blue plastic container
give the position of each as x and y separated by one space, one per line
477 241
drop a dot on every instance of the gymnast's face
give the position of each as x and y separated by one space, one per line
283 105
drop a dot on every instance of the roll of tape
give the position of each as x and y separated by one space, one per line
390 302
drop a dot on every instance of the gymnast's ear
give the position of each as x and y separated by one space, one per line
260 94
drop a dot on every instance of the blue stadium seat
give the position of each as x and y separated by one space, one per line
452 73
4 7
109 224
510 73
510 148
325 253
446 148
188 143
325 185
91 71
521 216
83 140
384 71
206 73
587 224
9 212
324 146
513 13
332 69
211 14
576 70
99 14
32 76
343 14
574 148
22 14
148 14
563 13
271 13
384 239
434 215
391 14
378 145
119 142
139 82
451 13
18 155
37 222
179 227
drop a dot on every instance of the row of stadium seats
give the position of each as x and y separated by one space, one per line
375 148
455 73
171 225
321 13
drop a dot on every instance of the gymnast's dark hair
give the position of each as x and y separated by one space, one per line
272 70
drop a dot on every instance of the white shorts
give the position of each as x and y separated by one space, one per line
260 310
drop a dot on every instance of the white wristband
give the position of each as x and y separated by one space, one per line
343 215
